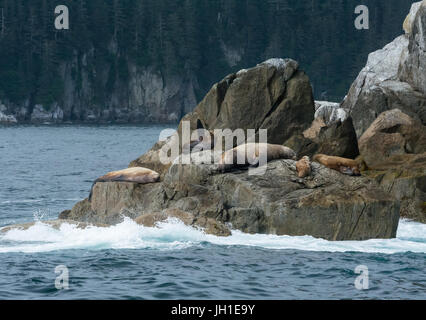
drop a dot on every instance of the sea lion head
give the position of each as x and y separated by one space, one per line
290 153
356 171
303 167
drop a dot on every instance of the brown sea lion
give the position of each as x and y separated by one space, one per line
249 153
137 175
346 166
303 167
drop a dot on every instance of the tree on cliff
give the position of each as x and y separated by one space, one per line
206 38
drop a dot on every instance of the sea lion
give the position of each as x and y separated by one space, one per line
303 167
205 141
346 166
138 175
249 155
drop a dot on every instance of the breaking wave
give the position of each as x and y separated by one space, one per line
174 235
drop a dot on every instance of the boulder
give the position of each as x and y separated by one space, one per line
275 95
330 112
335 139
411 17
327 204
404 178
413 69
394 77
393 133
378 88
338 139
112 201
394 149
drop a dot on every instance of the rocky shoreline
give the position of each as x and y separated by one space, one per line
381 123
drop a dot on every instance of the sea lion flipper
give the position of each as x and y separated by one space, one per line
346 170
101 179
91 189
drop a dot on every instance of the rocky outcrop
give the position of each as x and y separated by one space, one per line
111 201
326 204
404 178
330 112
274 95
393 77
388 104
336 139
393 133
413 69
394 149
332 133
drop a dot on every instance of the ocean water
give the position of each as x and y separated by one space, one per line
46 169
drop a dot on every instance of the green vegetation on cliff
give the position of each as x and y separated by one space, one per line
206 39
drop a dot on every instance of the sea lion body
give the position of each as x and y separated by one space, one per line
249 155
136 175
343 165
303 167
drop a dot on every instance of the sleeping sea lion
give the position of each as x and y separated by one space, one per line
137 175
303 167
249 153
346 166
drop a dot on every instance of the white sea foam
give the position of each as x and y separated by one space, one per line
174 235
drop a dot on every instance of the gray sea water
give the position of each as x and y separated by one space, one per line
46 169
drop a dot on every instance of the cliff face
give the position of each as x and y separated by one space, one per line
394 77
154 60
146 95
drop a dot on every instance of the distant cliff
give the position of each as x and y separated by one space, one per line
153 61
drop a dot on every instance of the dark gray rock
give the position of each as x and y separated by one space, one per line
326 204
393 133
274 95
